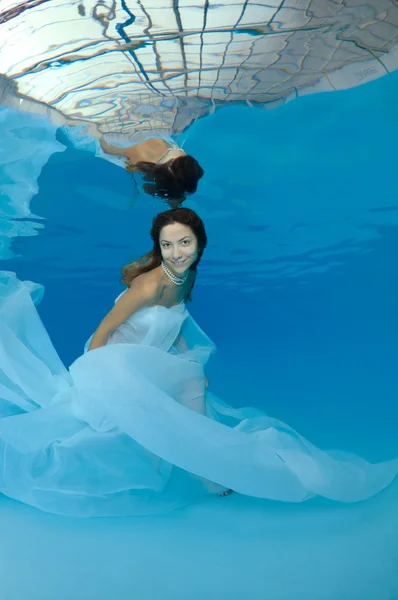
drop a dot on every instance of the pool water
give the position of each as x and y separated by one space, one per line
301 210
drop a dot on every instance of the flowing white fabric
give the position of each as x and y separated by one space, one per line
130 428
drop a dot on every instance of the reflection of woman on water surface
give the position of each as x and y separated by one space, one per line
170 173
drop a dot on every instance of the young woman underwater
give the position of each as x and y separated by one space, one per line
131 427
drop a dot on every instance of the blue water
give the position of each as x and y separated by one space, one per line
301 208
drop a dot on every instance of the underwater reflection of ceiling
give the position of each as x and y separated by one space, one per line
86 59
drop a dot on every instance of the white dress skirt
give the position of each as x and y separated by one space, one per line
130 428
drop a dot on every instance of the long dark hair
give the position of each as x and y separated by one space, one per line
153 259
172 180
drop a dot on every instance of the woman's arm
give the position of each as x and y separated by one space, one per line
181 344
117 151
109 149
140 294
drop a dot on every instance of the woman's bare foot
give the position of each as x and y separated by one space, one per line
226 493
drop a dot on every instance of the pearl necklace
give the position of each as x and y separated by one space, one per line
172 277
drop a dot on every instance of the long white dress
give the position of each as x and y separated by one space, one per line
130 429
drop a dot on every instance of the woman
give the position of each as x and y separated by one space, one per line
139 140
163 277
169 172
131 428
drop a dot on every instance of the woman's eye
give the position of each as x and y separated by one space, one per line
186 242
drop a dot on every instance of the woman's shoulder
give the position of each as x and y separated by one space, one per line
148 284
149 145
147 151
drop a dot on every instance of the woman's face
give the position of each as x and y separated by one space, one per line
179 247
